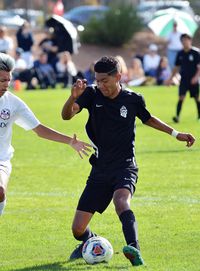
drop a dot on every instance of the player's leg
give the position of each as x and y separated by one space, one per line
81 231
178 108
121 199
194 92
4 178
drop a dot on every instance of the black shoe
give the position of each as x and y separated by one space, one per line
175 119
77 253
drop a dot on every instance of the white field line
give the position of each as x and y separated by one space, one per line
137 199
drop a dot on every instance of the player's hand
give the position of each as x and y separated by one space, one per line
78 88
190 139
168 82
194 80
81 147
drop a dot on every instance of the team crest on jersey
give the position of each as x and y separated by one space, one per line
191 58
123 111
5 114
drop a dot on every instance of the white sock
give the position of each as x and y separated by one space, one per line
2 206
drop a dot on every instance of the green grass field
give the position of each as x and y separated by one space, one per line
48 178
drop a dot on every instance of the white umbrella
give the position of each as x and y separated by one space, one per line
162 23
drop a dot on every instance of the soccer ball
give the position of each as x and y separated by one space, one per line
96 250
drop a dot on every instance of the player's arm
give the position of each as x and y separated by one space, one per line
161 126
70 108
195 78
50 134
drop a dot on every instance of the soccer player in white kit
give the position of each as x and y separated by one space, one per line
14 110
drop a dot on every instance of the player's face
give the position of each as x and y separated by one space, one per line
187 43
4 81
108 84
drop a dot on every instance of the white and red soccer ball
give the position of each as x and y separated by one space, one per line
97 249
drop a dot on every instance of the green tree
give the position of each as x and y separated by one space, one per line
116 27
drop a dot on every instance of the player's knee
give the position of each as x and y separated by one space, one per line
77 230
121 204
2 194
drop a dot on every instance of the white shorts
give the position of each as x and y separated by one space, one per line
5 171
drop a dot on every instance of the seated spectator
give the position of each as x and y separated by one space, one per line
21 72
89 74
25 41
136 76
66 70
163 71
49 46
6 43
44 72
151 61
124 69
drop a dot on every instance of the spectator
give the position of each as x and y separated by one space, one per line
49 46
21 71
25 41
163 71
151 61
136 76
174 45
89 74
66 69
6 43
44 72
124 69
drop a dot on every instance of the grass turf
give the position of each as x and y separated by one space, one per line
48 178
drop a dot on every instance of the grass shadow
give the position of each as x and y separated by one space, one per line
71 266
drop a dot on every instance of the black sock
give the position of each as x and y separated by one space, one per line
198 108
178 108
85 236
129 227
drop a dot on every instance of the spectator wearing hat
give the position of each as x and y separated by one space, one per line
151 61
21 71
6 43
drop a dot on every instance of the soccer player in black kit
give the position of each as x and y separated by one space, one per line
188 64
111 129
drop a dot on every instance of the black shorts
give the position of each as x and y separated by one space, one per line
193 89
101 186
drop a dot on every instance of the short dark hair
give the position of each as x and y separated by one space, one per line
7 63
185 36
107 64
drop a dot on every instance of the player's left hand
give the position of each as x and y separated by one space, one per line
190 139
81 147
194 80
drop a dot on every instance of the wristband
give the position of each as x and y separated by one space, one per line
174 133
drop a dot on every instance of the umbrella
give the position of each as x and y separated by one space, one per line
65 34
162 22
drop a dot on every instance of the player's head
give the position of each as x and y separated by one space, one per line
6 66
186 40
107 73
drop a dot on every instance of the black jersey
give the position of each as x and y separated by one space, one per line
111 125
188 62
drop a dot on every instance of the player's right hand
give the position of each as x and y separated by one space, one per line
78 88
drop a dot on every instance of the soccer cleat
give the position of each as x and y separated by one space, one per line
77 253
175 119
133 254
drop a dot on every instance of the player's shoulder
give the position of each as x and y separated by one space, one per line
195 49
137 97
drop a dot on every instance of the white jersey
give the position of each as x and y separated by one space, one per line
13 110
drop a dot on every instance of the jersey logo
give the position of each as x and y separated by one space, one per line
3 125
5 114
123 111
191 58
99 105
